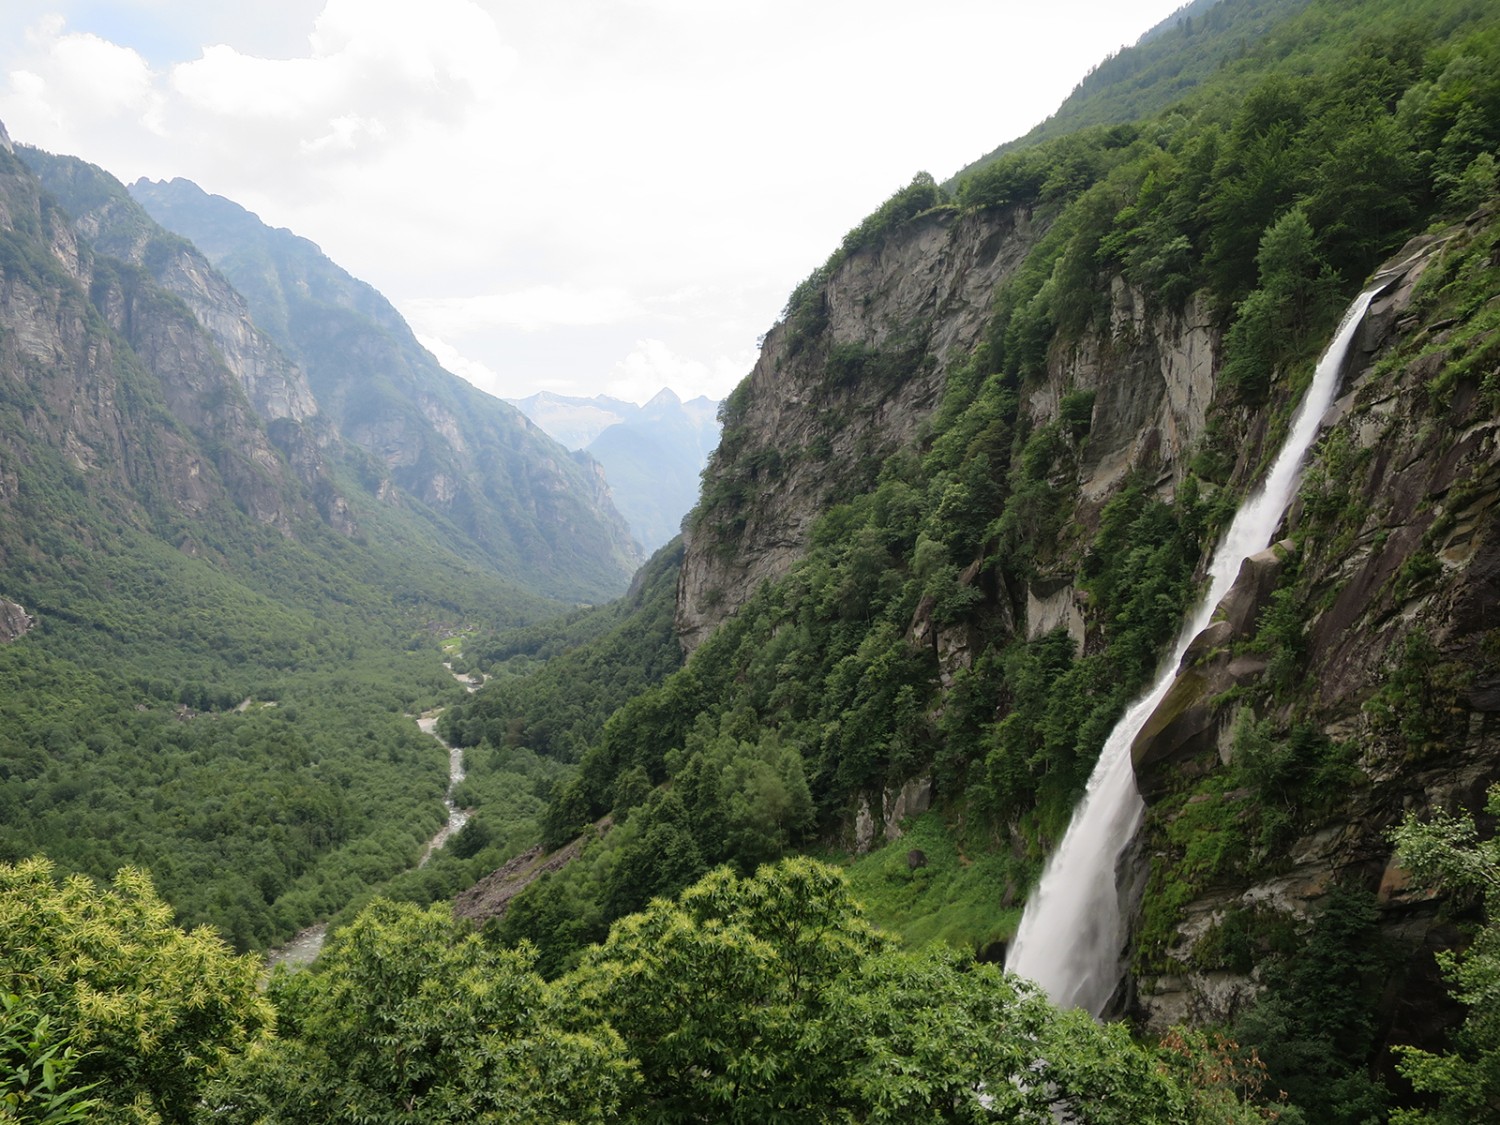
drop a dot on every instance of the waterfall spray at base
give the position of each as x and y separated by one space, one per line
1071 938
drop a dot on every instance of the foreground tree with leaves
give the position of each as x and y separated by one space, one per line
1447 850
105 995
759 999
412 1018
770 999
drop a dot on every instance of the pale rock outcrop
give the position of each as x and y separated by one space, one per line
1050 606
15 622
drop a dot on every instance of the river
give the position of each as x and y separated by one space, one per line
305 947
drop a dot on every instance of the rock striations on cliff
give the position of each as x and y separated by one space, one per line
1373 631
1367 633
426 439
119 381
835 391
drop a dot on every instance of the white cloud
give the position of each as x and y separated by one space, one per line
225 83
590 172
533 309
78 78
461 365
653 365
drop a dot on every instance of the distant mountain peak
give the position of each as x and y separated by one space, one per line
652 454
664 397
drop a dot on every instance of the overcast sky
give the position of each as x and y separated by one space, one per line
586 196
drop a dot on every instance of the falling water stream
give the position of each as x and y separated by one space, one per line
1071 938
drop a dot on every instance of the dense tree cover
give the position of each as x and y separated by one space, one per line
552 685
258 756
1464 1080
815 689
758 999
411 1019
826 686
232 713
221 699
1316 1024
1191 46
1269 192
112 1001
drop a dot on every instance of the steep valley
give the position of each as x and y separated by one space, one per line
960 509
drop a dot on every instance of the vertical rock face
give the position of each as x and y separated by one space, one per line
102 371
114 224
1153 379
1368 631
1396 585
275 409
823 407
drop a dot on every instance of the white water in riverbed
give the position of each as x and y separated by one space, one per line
305 947
457 817
1071 938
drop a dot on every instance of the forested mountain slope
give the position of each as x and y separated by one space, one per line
212 630
492 481
1191 47
961 502
957 512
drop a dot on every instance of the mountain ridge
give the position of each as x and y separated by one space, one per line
653 453
525 505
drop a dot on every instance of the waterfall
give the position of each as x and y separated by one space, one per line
1071 938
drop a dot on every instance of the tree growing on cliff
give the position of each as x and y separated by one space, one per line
1466 1079
1276 320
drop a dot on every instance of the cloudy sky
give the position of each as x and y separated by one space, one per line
586 196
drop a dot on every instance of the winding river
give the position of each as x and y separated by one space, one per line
305 947
457 817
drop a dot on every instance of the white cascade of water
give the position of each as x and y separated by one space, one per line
1071 938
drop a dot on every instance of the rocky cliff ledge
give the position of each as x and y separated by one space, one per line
1357 671
836 391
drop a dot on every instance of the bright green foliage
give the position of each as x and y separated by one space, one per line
37 1062
553 685
1193 46
1276 321
920 195
150 1010
1465 1080
769 999
409 1018
712 993
816 682
760 999
953 896
892 649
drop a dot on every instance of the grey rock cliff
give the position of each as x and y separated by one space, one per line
104 371
923 299
421 438
920 301
1399 577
